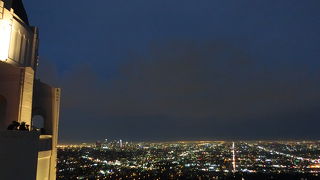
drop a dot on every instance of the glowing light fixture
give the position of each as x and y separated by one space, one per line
5 32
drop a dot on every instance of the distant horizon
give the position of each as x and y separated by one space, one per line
195 141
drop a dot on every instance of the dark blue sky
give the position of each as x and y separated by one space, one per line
165 70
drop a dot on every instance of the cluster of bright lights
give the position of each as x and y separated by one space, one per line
5 33
174 160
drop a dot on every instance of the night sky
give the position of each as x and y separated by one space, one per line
182 70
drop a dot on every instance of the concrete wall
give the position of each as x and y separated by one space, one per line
47 104
44 157
16 86
17 71
26 92
18 155
23 46
3 108
44 161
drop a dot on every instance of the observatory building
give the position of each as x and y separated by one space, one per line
29 108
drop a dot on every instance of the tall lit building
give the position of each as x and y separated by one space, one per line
24 155
120 143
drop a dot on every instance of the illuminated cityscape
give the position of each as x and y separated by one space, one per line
162 89
190 160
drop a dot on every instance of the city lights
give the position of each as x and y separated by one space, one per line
5 34
190 160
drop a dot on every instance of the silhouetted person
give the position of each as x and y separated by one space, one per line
14 125
23 127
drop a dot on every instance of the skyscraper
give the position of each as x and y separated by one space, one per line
25 154
120 143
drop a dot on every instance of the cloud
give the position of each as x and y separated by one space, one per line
185 89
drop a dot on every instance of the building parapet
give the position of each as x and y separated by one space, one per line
10 144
